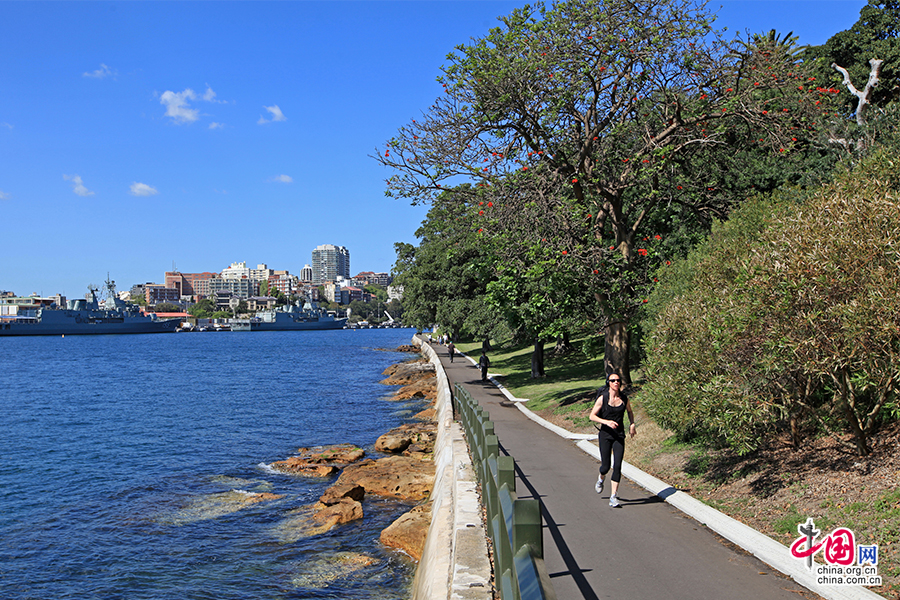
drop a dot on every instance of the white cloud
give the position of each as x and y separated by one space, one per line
277 115
209 95
142 189
78 185
4 195
100 73
7 125
216 125
283 179
177 105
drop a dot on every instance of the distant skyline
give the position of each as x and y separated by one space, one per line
135 134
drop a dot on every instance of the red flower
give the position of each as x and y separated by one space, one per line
657 237
596 272
574 181
565 252
490 203
480 212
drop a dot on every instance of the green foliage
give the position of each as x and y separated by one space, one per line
788 316
875 35
378 291
445 277
202 309
167 307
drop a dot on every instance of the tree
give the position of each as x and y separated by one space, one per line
377 291
202 309
865 60
876 35
444 278
603 114
264 288
167 307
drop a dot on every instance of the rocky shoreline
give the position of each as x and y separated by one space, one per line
406 474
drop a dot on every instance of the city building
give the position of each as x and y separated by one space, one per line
283 281
365 278
239 288
306 273
155 293
330 262
194 285
256 303
395 292
239 270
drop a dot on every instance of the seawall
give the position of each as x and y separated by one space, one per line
454 562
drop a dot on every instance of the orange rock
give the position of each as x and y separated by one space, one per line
338 492
403 477
408 532
298 466
336 514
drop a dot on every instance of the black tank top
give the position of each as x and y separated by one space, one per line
613 413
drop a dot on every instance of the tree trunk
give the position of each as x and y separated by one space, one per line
486 344
563 346
537 359
618 346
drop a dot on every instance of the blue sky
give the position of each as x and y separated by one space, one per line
138 135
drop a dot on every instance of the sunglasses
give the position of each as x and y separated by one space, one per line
615 381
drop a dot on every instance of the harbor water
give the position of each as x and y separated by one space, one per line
125 461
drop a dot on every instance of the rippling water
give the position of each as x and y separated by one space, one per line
124 461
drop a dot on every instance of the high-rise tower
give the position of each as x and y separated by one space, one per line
329 262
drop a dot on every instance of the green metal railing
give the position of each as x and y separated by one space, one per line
514 525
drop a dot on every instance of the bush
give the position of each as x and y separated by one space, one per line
787 317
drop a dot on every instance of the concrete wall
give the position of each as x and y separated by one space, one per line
455 560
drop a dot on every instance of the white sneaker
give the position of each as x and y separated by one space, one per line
614 502
598 487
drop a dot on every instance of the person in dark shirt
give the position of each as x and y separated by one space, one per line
608 415
484 362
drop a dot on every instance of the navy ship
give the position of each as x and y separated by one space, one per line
291 318
84 317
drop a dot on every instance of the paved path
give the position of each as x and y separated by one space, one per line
645 550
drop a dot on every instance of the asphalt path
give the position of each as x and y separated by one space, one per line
645 549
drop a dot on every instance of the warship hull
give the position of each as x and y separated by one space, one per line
84 322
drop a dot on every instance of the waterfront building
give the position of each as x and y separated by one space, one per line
256 303
306 273
193 285
330 262
282 281
155 293
365 278
240 288
395 292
